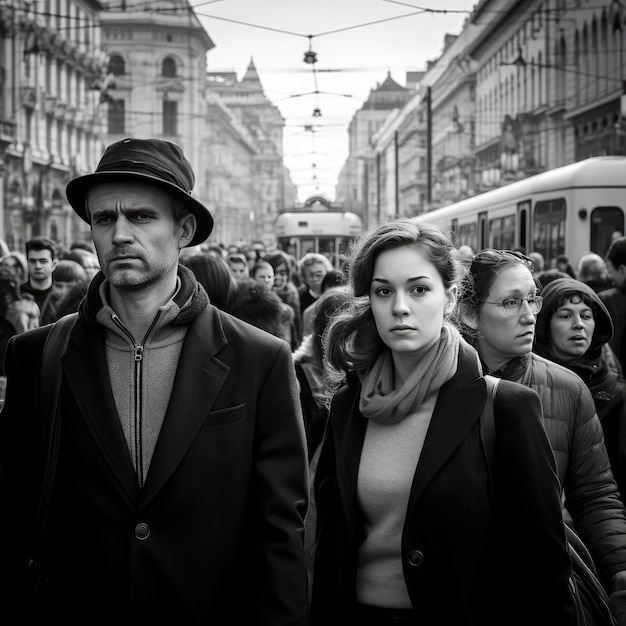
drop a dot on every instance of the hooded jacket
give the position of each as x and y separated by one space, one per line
595 367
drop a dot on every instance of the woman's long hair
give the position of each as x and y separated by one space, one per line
351 340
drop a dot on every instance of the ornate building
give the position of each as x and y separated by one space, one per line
523 88
268 181
76 75
355 182
51 124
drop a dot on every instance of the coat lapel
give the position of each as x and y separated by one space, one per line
199 379
85 370
458 408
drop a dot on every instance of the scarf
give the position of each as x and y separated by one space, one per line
380 402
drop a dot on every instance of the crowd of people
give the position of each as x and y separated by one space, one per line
249 435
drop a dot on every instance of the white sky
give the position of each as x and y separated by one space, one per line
360 41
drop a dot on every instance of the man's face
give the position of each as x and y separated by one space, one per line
239 268
40 265
617 274
136 235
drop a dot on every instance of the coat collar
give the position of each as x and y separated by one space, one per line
199 379
458 408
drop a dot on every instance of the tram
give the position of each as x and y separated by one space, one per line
327 232
569 210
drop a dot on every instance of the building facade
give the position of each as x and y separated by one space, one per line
77 75
51 120
525 87
268 182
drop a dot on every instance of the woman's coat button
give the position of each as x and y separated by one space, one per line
415 557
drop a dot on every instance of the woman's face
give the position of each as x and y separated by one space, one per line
281 276
571 329
314 275
503 336
408 300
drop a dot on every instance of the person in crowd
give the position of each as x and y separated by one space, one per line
563 265
286 289
309 360
573 329
70 302
312 268
263 273
539 263
181 478
41 256
18 312
213 273
252 255
614 298
466 252
216 249
310 372
86 258
258 305
333 278
497 307
238 264
593 271
406 526
66 273
18 264
545 277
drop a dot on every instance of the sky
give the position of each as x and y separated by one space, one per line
357 43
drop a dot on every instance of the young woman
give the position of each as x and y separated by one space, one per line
286 289
498 304
574 329
406 526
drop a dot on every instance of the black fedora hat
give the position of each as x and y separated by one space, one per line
154 161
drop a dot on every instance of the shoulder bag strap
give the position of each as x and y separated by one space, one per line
54 348
487 428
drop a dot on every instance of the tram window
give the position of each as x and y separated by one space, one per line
326 246
502 233
523 209
468 236
307 244
605 220
549 228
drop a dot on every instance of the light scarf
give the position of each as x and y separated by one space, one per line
382 403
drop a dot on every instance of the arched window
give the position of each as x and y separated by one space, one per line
117 66
168 67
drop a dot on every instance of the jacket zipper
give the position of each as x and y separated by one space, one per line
138 349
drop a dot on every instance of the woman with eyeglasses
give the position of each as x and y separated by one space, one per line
574 329
407 530
497 308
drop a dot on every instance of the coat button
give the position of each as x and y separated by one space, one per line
416 558
142 531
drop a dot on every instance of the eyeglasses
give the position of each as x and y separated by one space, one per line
512 306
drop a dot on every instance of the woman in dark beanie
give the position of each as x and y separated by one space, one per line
574 329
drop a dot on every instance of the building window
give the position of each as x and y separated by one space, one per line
169 67
170 117
117 66
116 117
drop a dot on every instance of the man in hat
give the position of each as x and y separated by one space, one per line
181 477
